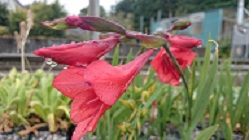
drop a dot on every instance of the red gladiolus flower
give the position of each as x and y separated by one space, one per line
166 71
95 88
77 54
182 41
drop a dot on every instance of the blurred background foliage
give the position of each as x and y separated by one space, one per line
10 20
45 12
170 8
126 12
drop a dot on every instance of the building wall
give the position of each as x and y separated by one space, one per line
211 25
11 4
203 24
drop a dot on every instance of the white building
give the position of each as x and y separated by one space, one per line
12 4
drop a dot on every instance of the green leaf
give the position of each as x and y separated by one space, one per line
129 56
51 122
207 133
154 96
65 109
205 87
242 101
115 56
227 130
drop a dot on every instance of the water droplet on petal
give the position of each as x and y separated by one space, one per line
49 61
111 83
54 64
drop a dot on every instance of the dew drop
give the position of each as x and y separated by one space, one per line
49 61
54 64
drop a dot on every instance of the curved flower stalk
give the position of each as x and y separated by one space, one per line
166 71
181 49
95 88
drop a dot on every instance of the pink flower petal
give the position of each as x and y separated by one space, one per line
84 106
166 71
71 81
110 82
90 123
183 42
78 54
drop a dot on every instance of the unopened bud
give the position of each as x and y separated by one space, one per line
137 89
122 127
131 104
138 124
145 96
125 127
152 89
142 112
180 25
154 110
58 24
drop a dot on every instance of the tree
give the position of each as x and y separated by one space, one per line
15 18
3 15
146 8
190 5
84 11
149 8
126 20
45 12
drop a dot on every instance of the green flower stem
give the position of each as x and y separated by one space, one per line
177 66
173 59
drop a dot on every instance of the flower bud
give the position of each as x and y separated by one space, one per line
154 111
125 127
131 104
145 96
142 112
180 25
57 24
136 89
152 89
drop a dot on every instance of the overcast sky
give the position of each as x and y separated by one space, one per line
73 6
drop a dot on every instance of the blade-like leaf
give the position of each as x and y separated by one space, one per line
207 133
241 102
205 88
115 56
